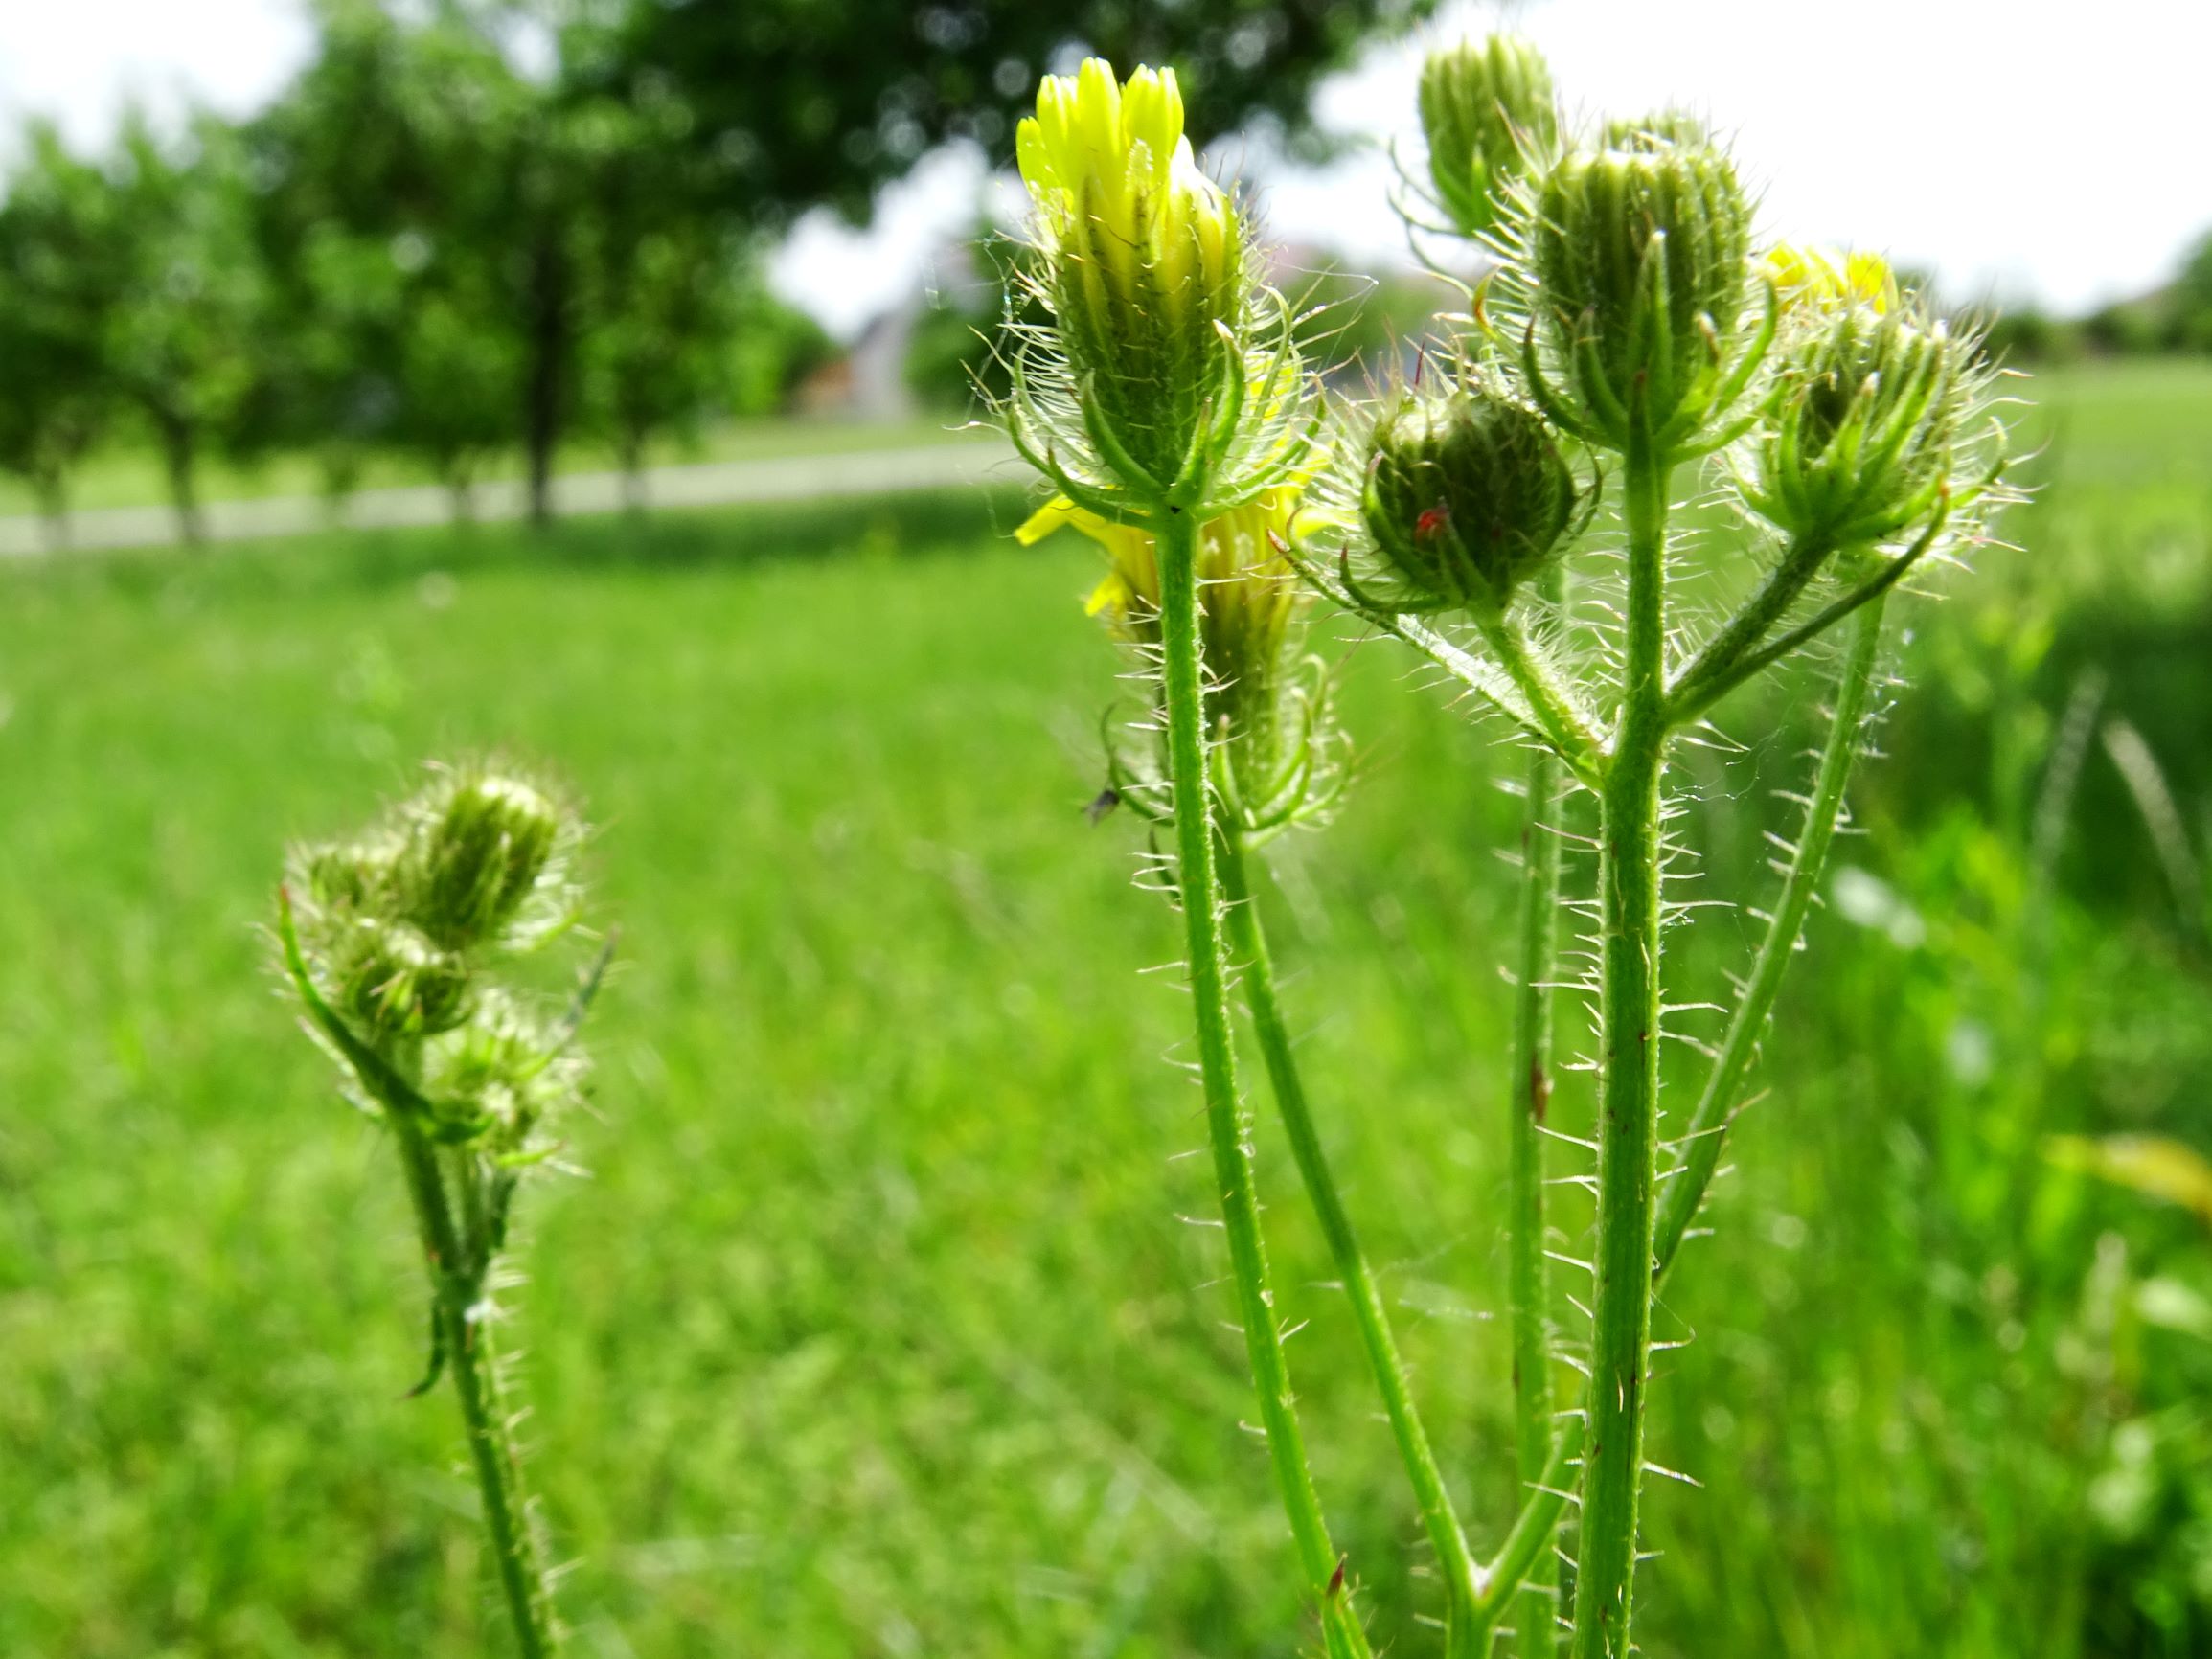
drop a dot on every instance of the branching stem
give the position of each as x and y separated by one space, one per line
1228 1129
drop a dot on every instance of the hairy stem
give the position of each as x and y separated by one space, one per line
1629 1090
1752 623
1530 1095
1709 1124
1228 1129
1558 713
1250 940
466 1345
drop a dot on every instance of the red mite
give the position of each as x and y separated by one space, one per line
1431 523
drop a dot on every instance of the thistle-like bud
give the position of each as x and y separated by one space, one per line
1466 496
1143 263
393 982
1485 110
1641 262
483 845
1868 415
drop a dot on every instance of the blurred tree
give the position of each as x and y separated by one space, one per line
2193 299
804 102
185 324
390 216
682 327
54 263
658 358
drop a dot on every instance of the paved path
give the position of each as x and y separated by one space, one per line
710 483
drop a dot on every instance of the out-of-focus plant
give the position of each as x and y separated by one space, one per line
402 945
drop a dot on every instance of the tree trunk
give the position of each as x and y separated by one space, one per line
53 511
178 447
631 456
549 342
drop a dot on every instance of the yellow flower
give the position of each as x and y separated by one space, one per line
1246 590
1824 279
1109 168
1143 255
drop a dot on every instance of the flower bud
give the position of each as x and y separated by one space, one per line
1865 425
1466 496
482 844
1485 109
392 982
1143 261
1817 280
1641 265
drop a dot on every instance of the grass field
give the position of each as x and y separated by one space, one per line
876 1329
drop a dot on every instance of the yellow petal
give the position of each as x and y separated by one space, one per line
1052 515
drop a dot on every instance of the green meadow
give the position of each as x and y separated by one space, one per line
877 1319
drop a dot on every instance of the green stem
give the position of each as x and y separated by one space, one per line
1709 1123
1530 1274
1628 1102
1249 939
1797 566
1227 1124
1557 712
467 1344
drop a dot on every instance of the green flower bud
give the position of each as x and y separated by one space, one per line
1466 497
391 981
483 844
505 1064
1641 261
1143 261
1865 425
1485 110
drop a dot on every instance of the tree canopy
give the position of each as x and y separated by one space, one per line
799 102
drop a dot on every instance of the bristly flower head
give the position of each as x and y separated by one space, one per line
1466 495
1486 110
1637 276
400 935
1877 422
1142 265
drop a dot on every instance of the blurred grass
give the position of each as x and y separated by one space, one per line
876 1329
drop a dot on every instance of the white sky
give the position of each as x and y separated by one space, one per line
2019 146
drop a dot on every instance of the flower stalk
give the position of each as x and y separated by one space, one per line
1529 1097
1229 1126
